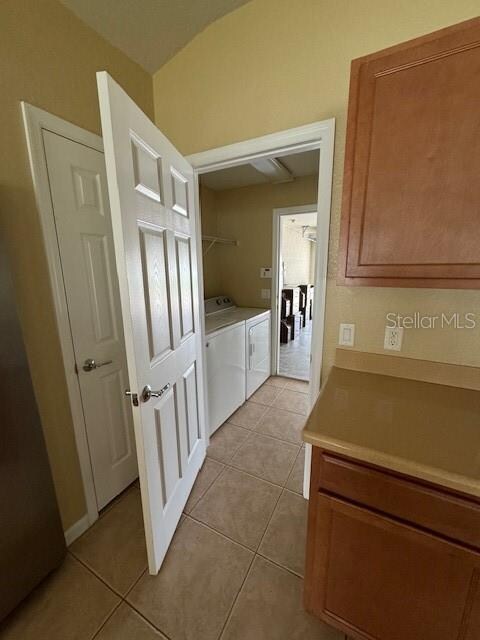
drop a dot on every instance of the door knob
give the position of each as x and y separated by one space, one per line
90 364
147 392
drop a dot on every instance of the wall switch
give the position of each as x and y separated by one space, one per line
346 335
266 272
393 338
265 294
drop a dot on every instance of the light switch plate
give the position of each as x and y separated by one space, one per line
346 335
265 294
393 338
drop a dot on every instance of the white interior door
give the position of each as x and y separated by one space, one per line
151 189
78 189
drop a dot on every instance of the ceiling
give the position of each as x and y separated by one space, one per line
150 31
297 164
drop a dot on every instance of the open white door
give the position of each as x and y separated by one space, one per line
151 191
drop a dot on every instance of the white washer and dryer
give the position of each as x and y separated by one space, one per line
238 355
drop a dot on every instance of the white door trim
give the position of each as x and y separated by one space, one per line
316 135
276 255
35 121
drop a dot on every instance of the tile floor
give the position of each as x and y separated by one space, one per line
234 569
294 357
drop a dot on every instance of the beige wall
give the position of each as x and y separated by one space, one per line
275 64
48 58
246 215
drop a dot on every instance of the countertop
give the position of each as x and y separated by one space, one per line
425 430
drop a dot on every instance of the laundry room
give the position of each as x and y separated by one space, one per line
259 224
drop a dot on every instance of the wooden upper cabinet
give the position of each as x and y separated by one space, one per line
411 201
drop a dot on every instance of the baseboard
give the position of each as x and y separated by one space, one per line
77 529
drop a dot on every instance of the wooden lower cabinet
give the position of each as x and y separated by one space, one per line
377 578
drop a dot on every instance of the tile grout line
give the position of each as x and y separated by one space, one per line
114 610
94 573
152 624
230 611
209 486
220 533
291 471
267 435
135 582
252 475
280 566
207 490
272 406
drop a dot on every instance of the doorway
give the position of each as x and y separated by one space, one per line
294 257
318 137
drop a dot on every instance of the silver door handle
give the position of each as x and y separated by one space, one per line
147 392
90 364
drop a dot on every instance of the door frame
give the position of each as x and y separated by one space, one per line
35 122
278 214
316 135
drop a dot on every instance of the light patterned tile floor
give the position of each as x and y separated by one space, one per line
242 537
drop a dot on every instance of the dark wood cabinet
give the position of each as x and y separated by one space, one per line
411 200
380 570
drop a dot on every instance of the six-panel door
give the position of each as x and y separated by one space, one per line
81 210
151 189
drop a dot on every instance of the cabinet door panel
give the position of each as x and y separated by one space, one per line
382 579
410 208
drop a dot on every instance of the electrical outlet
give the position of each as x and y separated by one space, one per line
346 335
393 338
265 294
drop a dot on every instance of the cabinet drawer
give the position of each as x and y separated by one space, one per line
444 513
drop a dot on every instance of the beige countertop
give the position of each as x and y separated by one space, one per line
425 430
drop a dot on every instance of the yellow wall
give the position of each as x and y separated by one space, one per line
276 64
246 214
48 58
